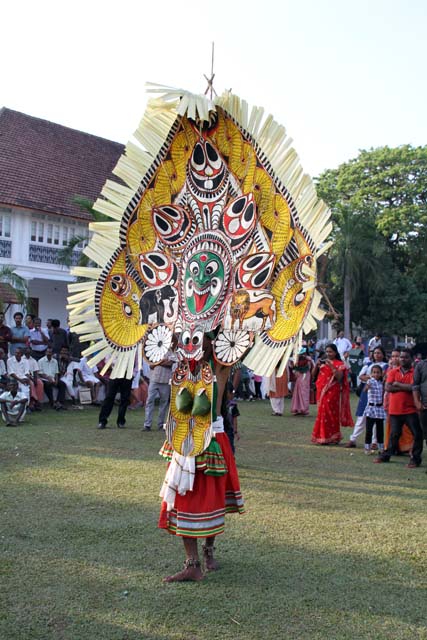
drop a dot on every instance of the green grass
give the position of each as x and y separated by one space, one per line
331 546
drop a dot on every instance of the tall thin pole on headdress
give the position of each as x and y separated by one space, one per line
210 80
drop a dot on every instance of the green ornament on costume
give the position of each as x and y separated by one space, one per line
204 281
201 404
184 400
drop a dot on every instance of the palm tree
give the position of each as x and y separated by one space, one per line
18 284
66 255
354 256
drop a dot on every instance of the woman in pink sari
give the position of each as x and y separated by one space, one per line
333 398
301 391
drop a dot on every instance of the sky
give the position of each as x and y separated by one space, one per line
340 75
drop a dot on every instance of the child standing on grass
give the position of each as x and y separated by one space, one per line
374 411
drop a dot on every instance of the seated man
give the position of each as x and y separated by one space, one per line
13 404
89 377
68 371
36 385
3 374
49 375
17 368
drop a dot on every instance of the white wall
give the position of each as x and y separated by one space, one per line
47 282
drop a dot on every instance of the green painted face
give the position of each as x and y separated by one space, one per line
204 281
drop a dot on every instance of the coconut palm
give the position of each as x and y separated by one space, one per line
355 255
66 255
18 284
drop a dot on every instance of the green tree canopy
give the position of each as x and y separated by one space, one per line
378 263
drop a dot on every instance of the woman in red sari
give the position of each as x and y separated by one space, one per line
333 398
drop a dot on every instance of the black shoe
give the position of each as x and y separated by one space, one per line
147 428
102 425
121 425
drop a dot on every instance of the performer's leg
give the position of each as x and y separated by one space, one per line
208 553
192 570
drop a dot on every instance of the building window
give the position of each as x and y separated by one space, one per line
56 234
64 236
5 225
49 233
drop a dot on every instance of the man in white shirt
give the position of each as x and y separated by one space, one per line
17 368
49 374
342 344
39 340
68 372
12 404
89 377
374 343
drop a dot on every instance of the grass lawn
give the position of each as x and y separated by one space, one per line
331 546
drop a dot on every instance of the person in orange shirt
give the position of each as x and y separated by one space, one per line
402 410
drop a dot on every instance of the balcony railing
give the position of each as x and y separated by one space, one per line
49 255
5 248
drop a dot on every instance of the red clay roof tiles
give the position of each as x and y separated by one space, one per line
44 165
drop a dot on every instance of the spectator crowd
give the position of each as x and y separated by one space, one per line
43 366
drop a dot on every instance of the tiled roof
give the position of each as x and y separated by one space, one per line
44 165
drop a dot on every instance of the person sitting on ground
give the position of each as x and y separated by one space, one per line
68 370
49 374
36 385
89 377
3 373
17 368
13 404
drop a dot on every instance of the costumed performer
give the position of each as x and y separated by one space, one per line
215 236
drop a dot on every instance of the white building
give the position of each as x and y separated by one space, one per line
43 167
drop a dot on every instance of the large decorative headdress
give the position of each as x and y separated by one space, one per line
215 229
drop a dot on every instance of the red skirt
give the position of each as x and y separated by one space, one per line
200 513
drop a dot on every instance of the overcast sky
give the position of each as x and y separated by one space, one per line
340 75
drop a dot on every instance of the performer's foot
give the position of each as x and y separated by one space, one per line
191 572
208 553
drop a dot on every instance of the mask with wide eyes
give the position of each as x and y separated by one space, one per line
174 225
156 269
120 285
204 282
206 170
190 343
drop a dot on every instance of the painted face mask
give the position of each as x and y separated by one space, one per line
204 282
206 269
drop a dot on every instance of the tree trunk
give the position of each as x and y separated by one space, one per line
347 300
